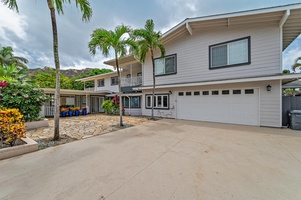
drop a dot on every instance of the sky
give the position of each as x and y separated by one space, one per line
29 31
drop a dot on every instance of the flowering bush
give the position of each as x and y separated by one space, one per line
112 106
11 126
24 97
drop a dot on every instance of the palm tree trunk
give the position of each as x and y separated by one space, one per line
57 67
154 84
119 89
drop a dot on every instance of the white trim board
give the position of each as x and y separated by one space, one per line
255 79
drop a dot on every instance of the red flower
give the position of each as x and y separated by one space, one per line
3 84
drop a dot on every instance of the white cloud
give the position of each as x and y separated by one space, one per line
12 21
180 9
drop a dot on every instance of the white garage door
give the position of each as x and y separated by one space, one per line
236 106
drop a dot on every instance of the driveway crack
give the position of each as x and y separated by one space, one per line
289 153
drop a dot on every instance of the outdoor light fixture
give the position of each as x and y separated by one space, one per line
269 88
170 92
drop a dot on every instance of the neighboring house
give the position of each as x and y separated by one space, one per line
224 68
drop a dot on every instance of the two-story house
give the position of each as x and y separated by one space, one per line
224 68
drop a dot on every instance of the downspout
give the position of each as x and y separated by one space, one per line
281 23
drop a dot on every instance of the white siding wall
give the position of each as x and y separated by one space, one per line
270 102
133 111
193 56
108 86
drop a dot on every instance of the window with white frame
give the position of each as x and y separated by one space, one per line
114 80
101 83
166 65
231 53
133 101
161 101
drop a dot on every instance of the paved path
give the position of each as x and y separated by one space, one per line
79 127
166 159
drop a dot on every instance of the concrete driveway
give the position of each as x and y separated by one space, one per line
166 159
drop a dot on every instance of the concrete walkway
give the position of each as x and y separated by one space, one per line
166 159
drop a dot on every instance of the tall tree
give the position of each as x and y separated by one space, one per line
57 5
297 64
7 57
105 40
149 41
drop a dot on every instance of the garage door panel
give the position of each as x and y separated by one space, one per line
232 108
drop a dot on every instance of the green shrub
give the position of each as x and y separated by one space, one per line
109 107
112 106
24 97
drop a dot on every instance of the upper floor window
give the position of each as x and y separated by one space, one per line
101 82
231 53
114 80
166 65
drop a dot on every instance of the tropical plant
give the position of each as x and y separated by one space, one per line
27 98
8 58
53 5
11 126
105 40
297 63
149 41
112 106
13 72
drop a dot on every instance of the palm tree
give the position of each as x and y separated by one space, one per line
53 5
105 40
148 42
7 58
296 64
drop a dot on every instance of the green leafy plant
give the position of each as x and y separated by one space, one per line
112 106
25 97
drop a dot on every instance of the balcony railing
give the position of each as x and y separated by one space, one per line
48 111
133 81
89 89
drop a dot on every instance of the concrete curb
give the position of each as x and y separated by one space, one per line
9 152
36 124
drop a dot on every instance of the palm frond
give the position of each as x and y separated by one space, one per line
11 4
148 39
296 64
83 5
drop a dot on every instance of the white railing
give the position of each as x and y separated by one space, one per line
89 89
49 110
133 81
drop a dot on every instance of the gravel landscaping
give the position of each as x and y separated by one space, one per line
80 127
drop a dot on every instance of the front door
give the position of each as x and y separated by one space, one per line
101 100
96 103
